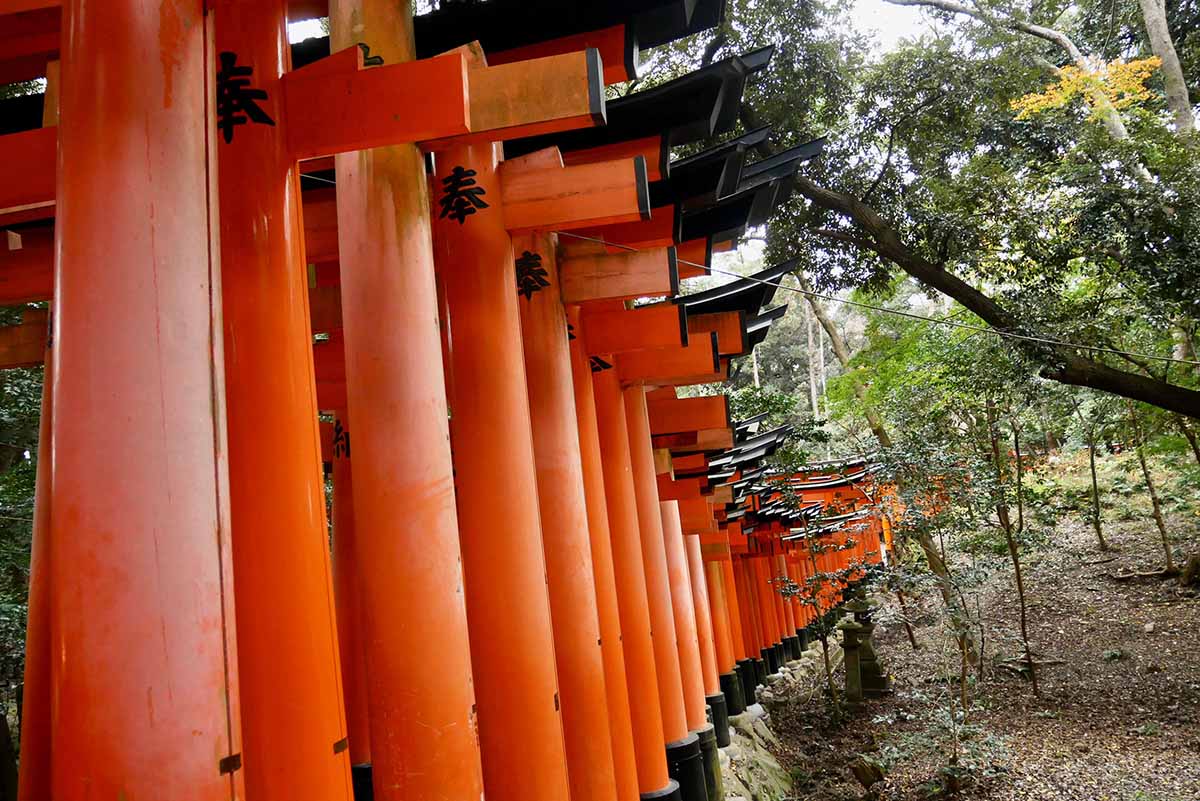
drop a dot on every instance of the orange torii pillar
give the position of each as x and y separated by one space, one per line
512 641
706 636
684 758
346 572
414 636
768 611
654 782
145 702
770 565
281 567
33 779
757 641
744 664
688 646
799 610
718 604
791 642
615 681
563 507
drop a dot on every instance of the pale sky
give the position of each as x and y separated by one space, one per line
889 23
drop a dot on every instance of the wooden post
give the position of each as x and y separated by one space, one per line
683 748
654 782
684 615
34 775
281 567
146 704
347 572
704 626
410 570
615 681
512 641
719 609
563 507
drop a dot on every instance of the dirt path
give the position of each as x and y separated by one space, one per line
1119 720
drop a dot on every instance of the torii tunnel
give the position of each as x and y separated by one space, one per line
404 258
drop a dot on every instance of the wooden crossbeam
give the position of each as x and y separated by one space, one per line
678 490
695 515
694 252
688 414
618 52
530 98
590 274
729 327
665 365
659 325
24 345
654 148
334 105
557 197
26 268
320 225
657 232
691 463
325 308
27 170
710 439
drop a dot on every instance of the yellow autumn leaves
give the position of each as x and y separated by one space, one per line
1121 83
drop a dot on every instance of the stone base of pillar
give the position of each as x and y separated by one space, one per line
733 691
748 679
718 714
760 671
712 762
685 764
793 647
360 777
668 793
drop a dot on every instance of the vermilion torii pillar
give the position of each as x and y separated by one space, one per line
512 640
687 639
346 583
615 680
414 635
144 704
281 566
688 645
683 747
645 707
564 517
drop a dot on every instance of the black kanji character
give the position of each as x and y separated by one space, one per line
462 196
237 103
531 276
570 332
599 365
368 59
341 440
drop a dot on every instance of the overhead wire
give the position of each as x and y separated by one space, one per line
898 313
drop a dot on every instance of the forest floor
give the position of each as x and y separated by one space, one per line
1118 719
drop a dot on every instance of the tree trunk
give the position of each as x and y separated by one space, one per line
1189 435
812 364
1155 506
1006 525
1154 13
937 566
1095 493
1020 468
842 352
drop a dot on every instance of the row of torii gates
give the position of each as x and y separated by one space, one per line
547 569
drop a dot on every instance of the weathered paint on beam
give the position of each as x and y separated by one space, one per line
590 274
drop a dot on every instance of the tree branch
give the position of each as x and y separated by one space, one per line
1060 363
